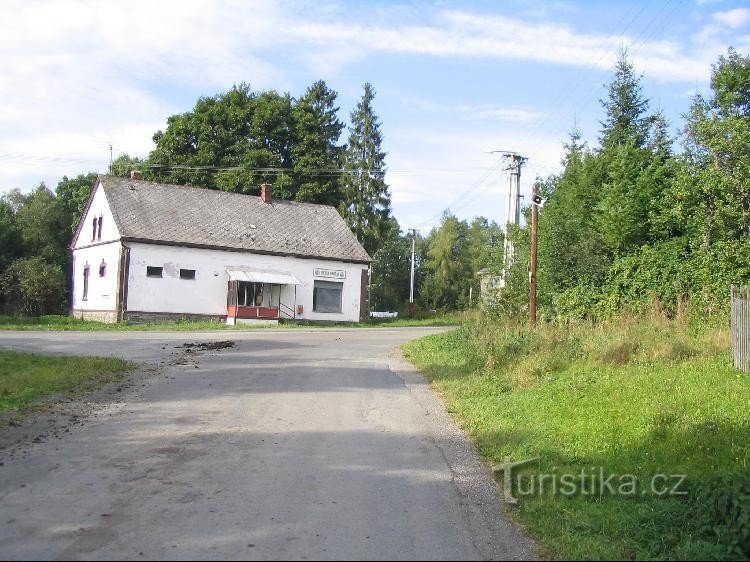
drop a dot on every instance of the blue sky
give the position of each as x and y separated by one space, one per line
453 79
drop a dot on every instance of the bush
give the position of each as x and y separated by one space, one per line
33 286
720 516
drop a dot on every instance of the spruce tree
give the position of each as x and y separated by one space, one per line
635 157
366 202
626 121
315 153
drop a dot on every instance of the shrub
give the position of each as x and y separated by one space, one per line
33 286
721 515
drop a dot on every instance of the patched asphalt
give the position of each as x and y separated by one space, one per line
283 445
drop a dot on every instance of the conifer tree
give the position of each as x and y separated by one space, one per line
366 200
316 154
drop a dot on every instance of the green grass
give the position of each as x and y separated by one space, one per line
26 378
67 323
634 398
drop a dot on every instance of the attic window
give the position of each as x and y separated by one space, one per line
99 234
154 271
93 235
187 274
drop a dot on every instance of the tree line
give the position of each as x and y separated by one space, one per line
633 224
641 220
628 223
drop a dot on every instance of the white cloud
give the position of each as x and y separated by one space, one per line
733 18
77 75
483 112
455 33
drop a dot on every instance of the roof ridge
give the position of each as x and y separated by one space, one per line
200 217
212 190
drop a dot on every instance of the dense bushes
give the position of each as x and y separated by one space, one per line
629 225
33 287
720 516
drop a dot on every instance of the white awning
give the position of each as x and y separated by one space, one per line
257 276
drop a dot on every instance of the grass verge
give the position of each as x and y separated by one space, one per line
635 400
26 377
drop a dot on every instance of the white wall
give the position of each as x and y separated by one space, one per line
207 294
102 290
99 208
102 293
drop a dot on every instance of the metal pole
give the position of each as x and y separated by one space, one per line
532 268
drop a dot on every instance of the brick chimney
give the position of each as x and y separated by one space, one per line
265 193
136 175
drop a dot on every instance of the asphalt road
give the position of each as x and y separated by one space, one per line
295 444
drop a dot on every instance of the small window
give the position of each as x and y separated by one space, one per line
93 235
99 233
86 283
187 274
102 269
327 296
154 271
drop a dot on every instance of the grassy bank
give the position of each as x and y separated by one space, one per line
635 400
67 323
26 377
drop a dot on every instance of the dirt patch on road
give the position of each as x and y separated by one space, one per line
54 417
206 346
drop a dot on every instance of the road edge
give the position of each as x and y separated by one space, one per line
496 536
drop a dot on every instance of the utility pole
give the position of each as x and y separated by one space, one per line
513 214
411 286
513 208
110 158
535 202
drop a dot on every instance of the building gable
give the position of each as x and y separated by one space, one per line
97 209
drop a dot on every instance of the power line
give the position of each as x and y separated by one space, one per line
216 168
638 43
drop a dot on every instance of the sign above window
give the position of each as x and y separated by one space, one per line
329 273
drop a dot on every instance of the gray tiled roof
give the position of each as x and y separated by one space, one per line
176 214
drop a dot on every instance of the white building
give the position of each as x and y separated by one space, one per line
145 251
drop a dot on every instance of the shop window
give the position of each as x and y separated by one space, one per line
327 296
249 294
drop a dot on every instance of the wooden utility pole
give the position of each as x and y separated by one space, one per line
412 308
532 267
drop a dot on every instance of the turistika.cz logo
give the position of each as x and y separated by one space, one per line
590 481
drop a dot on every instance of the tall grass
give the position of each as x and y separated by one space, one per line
634 396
